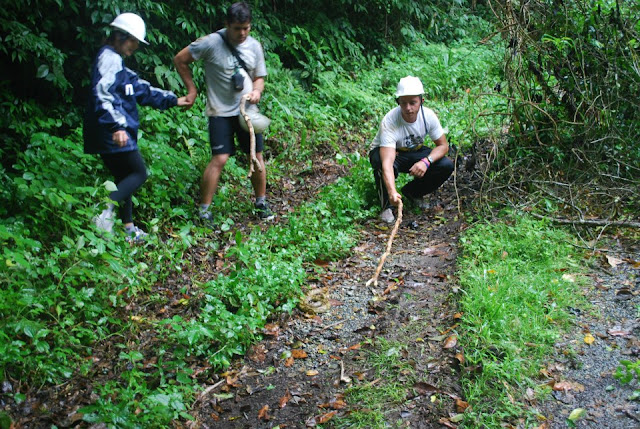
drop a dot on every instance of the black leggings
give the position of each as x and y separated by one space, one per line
130 173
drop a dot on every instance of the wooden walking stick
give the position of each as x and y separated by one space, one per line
394 231
252 138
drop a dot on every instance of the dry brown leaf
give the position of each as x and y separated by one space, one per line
450 342
338 404
271 329
232 380
618 331
425 388
458 315
613 261
312 372
445 422
257 353
285 399
289 361
460 357
298 354
564 386
325 417
461 405
262 414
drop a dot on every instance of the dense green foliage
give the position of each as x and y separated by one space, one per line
572 66
572 70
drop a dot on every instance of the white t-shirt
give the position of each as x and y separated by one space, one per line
400 134
219 66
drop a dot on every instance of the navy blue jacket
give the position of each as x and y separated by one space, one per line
115 93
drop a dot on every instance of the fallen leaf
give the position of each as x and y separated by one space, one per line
618 331
457 418
571 278
458 315
257 353
614 262
271 329
312 372
289 361
564 386
450 342
589 339
461 405
460 357
285 399
326 417
262 414
232 381
445 422
321 263
298 354
577 414
425 388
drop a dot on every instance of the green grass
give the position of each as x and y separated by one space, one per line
518 278
385 392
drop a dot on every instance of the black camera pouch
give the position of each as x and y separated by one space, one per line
237 81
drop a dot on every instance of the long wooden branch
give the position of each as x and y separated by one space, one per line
394 231
252 138
594 222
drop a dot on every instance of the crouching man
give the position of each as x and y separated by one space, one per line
399 147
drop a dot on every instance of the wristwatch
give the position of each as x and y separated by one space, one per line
430 159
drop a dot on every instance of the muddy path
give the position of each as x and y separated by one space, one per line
297 376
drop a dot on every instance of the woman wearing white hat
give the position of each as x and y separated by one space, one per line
111 118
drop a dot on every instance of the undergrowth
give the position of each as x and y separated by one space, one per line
65 288
519 277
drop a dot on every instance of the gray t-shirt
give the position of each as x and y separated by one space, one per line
400 134
219 66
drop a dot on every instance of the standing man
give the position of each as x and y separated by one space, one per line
399 148
234 67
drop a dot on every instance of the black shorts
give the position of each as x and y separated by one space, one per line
221 133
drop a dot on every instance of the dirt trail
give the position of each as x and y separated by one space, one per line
585 367
296 377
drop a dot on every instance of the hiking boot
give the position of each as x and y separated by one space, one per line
264 212
135 235
387 216
415 201
105 220
205 218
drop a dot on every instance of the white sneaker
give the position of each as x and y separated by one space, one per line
136 235
387 216
105 220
